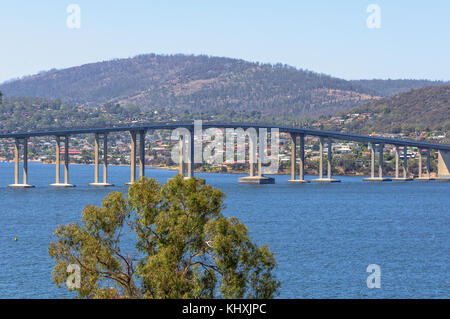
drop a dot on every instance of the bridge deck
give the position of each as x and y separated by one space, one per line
169 126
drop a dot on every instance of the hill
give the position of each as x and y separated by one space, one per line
195 83
386 88
419 109
205 86
29 113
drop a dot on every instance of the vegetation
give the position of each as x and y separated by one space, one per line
150 88
421 109
390 87
185 247
202 84
30 113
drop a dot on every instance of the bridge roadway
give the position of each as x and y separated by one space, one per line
376 142
170 126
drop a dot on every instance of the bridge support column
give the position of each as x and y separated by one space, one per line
191 163
420 163
181 155
443 165
58 163
301 179
293 156
58 158
380 177
381 164
16 161
132 159
302 159
252 144
405 162
321 158
24 167
105 159
97 161
141 154
372 160
25 162
260 178
397 155
405 177
421 176
96 157
329 178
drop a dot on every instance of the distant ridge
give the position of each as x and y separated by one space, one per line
426 108
205 84
391 87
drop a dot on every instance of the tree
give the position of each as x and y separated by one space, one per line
185 247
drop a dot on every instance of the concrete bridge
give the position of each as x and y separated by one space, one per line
297 136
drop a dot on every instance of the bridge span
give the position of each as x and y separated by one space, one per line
186 143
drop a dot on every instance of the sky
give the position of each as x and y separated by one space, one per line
407 39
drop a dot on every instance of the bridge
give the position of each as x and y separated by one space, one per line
187 141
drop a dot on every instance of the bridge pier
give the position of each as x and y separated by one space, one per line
252 144
186 166
191 162
260 178
421 176
294 179
132 158
181 156
141 154
58 163
380 177
25 164
443 166
97 161
329 178
397 155
428 163
405 177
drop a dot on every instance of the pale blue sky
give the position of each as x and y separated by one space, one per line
327 36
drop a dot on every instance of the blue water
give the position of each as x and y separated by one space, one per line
324 236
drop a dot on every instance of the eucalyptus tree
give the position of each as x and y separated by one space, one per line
184 246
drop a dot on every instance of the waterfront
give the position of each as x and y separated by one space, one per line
324 235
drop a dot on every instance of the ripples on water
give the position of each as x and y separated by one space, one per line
324 236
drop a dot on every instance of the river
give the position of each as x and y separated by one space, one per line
324 235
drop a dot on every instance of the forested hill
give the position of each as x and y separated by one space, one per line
386 88
178 83
419 109
195 83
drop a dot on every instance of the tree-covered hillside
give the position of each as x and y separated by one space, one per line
386 88
420 109
195 83
203 84
30 113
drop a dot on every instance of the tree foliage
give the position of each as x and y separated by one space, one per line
185 247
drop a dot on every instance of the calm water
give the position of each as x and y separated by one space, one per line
324 236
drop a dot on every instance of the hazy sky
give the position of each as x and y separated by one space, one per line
327 36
